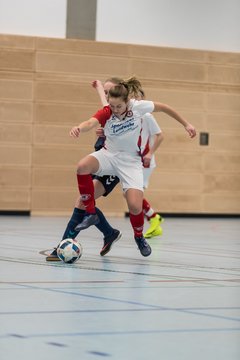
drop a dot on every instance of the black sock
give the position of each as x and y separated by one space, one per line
76 219
103 224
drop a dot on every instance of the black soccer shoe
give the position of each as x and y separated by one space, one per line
88 220
109 240
143 246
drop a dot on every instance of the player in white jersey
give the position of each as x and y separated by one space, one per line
151 139
122 122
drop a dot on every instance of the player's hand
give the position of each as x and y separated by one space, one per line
100 132
146 160
191 130
75 131
96 83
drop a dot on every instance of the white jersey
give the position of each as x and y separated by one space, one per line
124 135
150 128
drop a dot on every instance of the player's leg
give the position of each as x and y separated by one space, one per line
85 183
79 213
87 166
134 198
104 185
70 232
154 218
131 177
99 163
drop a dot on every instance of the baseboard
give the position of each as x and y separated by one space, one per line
197 215
15 212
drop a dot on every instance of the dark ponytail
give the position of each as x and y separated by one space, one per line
126 89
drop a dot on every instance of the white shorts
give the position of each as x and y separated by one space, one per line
126 166
146 176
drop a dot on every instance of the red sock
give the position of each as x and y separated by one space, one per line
147 210
86 189
146 206
137 222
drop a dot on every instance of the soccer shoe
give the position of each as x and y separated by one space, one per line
143 246
53 256
109 240
88 220
157 232
154 224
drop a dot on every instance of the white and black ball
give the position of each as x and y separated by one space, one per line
69 251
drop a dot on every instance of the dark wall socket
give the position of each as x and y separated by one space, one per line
204 138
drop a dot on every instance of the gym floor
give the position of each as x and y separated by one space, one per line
182 302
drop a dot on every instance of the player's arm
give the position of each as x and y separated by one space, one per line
100 90
85 126
158 138
159 107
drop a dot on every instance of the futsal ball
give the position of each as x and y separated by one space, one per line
69 251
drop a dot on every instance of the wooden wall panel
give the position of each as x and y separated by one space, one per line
58 155
169 71
221 182
174 201
81 64
223 75
12 133
17 42
47 201
227 162
170 54
16 112
11 175
45 89
221 203
65 114
81 47
17 63
17 199
19 60
52 134
15 155
15 90
224 103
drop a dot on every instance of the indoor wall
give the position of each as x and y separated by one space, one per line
45 89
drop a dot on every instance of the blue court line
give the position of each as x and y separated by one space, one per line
123 333
99 353
131 303
46 312
201 280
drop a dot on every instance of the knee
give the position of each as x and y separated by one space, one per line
80 168
88 165
79 172
135 210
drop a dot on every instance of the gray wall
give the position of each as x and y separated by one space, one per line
194 24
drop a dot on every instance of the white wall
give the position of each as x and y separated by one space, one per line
199 24
195 24
45 18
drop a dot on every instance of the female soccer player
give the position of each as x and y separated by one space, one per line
103 185
121 155
151 139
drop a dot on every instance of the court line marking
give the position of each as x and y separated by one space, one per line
117 281
123 333
59 291
46 312
76 266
